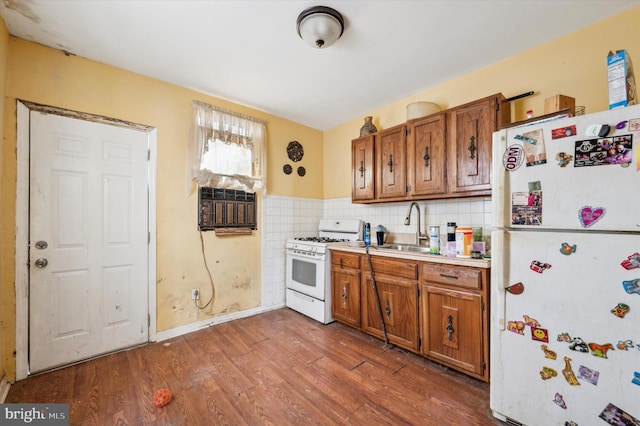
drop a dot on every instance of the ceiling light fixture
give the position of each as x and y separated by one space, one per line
320 26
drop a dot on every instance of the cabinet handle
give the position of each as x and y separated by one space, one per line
453 277
362 169
390 163
344 294
426 156
449 327
387 310
472 147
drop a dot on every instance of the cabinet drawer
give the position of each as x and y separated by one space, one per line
394 267
345 260
452 275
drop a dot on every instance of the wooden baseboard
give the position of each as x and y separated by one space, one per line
4 389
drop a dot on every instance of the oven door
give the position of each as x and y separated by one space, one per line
306 274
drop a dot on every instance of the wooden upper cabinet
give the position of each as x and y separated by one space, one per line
391 162
426 158
362 166
470 129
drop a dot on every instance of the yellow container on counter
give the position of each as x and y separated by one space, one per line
464 242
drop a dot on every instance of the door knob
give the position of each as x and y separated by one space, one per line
42 262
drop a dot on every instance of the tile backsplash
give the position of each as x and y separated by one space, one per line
288 217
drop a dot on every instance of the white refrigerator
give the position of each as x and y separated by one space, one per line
565 271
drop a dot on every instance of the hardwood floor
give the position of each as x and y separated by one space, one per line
278 368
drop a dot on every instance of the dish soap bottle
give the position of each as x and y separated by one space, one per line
367 234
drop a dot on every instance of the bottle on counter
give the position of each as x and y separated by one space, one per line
367 234
451 239
434 239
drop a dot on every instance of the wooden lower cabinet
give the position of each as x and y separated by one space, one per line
346 280
399 305
436 310
454 319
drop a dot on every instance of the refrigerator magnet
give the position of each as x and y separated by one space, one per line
531 322
567 249
620 310
563 132
631 262
516 327
535 153
559 400
538 266
589 215
548 353
636 378
632 286
634 125
588 375
612 415
600 350
564 337
568 373
579 345
513 157
539 334
624 345
517 288
563 159
547 373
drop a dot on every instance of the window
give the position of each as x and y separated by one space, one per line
227 150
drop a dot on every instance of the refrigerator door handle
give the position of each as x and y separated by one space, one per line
499 278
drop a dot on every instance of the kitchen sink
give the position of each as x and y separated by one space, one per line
406 247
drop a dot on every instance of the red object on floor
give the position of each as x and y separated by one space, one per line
162 397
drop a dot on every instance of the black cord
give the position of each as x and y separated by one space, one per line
213 291
375 291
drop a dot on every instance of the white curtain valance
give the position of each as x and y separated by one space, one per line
213 125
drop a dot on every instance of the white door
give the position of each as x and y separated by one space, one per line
88 239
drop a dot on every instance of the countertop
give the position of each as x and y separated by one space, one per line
422 257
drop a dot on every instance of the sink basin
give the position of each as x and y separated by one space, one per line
406 247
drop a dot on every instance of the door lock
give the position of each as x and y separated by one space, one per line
41 245
42 262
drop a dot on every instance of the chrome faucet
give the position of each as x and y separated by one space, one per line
407 221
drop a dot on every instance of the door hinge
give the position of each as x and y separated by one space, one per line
148 320
148 237
148 155
407 131
419 342
484 366
482 306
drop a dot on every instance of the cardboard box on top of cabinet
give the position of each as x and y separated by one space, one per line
559 102
622 83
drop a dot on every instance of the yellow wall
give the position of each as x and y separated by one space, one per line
43 75
574 65
6 261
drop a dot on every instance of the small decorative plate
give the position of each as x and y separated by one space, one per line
301 171
287 169
295 151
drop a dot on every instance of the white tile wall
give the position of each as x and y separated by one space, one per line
288 217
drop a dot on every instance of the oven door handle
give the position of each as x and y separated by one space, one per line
302 296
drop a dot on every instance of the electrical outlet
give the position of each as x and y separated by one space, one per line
195 294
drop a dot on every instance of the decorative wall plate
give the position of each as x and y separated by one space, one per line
295 151
287 169
301 171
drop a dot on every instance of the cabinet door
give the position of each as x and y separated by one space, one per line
452 330
391 163
426 156
399 303
470 130
345 295
362 167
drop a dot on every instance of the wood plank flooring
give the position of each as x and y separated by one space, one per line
277 368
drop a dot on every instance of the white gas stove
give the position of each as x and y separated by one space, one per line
308 269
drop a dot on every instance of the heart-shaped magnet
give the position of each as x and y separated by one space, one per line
590 215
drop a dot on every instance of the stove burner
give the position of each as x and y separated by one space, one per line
320 239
